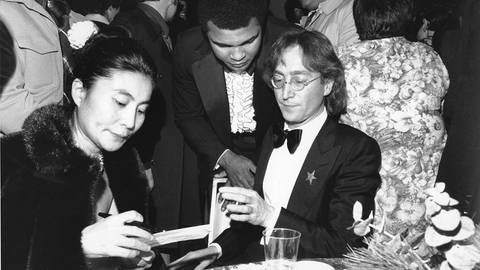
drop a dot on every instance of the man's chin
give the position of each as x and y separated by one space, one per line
237 69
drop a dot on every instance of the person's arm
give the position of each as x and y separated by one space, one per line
348 31
357 180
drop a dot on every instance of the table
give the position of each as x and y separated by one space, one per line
336 263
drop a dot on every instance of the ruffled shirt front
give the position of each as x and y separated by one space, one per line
240 101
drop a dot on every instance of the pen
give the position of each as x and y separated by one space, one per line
138 224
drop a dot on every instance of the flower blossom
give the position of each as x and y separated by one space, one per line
80 32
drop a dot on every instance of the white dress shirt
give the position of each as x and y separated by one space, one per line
283 168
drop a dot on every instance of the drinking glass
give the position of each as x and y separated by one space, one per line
281 248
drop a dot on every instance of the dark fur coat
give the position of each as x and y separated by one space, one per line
47 192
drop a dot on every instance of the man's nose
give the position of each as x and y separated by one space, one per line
287 91
237 54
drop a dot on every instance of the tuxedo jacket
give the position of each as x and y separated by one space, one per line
200 95
346 163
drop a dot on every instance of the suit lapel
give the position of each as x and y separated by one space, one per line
155 28
267 148
315 171
213 93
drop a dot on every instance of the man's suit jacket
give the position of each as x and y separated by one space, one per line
346 163
200 95
159 141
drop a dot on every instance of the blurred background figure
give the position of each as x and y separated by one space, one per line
289 10
432 19
7 56
38 76
186 17
170 163
70 163
459 167
333 18
395 89
103 11
294 11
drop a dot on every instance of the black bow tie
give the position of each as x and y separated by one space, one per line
293 138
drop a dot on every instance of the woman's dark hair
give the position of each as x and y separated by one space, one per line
103 55
318 56
231 14
376 19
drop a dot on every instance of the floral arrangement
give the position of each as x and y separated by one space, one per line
450 241
80 32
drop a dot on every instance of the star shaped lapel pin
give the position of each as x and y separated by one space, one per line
310 177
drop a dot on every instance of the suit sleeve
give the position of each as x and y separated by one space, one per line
190 113
235 239
348 33
356 179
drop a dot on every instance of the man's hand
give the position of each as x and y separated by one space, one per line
240 170
205 257
252 208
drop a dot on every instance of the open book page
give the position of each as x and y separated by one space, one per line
184 234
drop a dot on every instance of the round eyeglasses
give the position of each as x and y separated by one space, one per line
296 84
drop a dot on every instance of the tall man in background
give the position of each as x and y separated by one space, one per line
222 105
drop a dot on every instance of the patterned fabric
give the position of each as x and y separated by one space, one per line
395 91
240 97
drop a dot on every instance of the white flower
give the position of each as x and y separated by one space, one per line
439 196
434 238
463 257
360 227
80 32
446 220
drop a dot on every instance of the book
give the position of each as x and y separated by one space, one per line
178 235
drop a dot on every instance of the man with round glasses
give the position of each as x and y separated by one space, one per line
311 169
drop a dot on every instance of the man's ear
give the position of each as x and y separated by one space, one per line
78 92
327 88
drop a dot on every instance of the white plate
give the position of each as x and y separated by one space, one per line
312 265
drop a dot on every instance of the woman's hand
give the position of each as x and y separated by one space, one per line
110 237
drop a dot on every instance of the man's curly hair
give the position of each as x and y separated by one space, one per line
231 14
